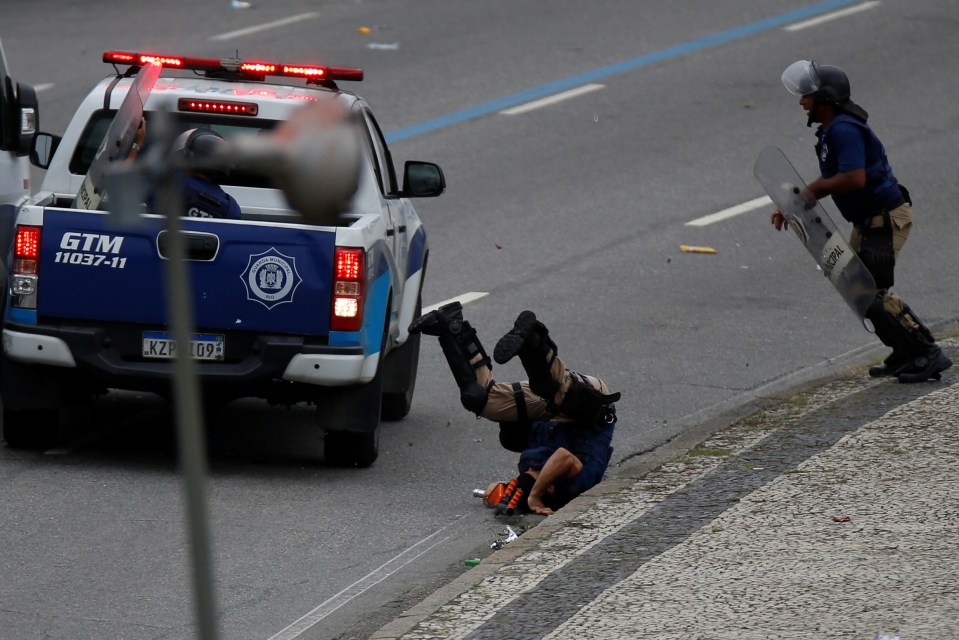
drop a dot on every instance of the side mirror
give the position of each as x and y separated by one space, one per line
42 150
422 179
29 117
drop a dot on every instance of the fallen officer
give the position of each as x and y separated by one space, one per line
561 422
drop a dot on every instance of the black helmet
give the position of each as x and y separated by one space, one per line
199 143
834 85
826 83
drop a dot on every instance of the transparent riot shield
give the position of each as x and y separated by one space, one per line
118 140
816 231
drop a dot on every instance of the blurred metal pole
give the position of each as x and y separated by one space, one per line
191 445
315 156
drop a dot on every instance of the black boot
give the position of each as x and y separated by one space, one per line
437 321
913 349
529 339
891 366
927 366
509 345
925 359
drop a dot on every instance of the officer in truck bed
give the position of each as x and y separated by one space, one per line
202 196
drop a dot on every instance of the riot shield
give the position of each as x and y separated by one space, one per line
816 230
118 140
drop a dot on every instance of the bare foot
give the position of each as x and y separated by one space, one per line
536 506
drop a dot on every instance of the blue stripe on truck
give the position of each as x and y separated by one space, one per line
374 315
417 252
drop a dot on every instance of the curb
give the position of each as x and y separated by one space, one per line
846 369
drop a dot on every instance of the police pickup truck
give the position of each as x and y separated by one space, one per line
283 309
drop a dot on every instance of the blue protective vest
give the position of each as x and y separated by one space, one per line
206 199
202 198
848 144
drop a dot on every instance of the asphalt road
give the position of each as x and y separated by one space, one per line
575 209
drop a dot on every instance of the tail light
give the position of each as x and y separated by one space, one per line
25 267
348 284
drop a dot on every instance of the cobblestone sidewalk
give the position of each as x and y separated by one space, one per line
835 515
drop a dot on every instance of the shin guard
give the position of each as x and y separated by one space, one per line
460 346
529 339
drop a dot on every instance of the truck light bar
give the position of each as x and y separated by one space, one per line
254 70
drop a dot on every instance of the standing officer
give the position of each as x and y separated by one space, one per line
856 173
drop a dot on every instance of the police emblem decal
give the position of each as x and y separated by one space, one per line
270 278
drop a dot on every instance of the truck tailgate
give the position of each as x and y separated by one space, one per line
246 276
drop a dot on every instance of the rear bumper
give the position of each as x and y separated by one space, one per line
112 356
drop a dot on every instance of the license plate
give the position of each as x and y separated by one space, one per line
203 346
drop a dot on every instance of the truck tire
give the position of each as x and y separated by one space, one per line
400 376
36 429
349 449
351 418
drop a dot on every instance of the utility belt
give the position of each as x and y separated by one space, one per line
878 224
867 223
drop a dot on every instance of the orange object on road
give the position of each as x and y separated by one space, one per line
689 248
496 493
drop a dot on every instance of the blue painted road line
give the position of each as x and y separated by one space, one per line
494 106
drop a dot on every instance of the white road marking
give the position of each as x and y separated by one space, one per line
739 209
361 585
464 299
265 26
553 99
43 87
842 13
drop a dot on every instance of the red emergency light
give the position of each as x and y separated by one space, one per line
218 106
254 70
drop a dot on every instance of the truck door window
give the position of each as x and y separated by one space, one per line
383 160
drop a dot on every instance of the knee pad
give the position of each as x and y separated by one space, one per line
892 333
473 397
922 328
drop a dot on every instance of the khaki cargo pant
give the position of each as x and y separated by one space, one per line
901 218
501 406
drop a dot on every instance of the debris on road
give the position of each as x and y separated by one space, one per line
508 536
688 248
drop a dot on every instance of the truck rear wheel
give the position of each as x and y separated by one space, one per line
36 429
351 418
